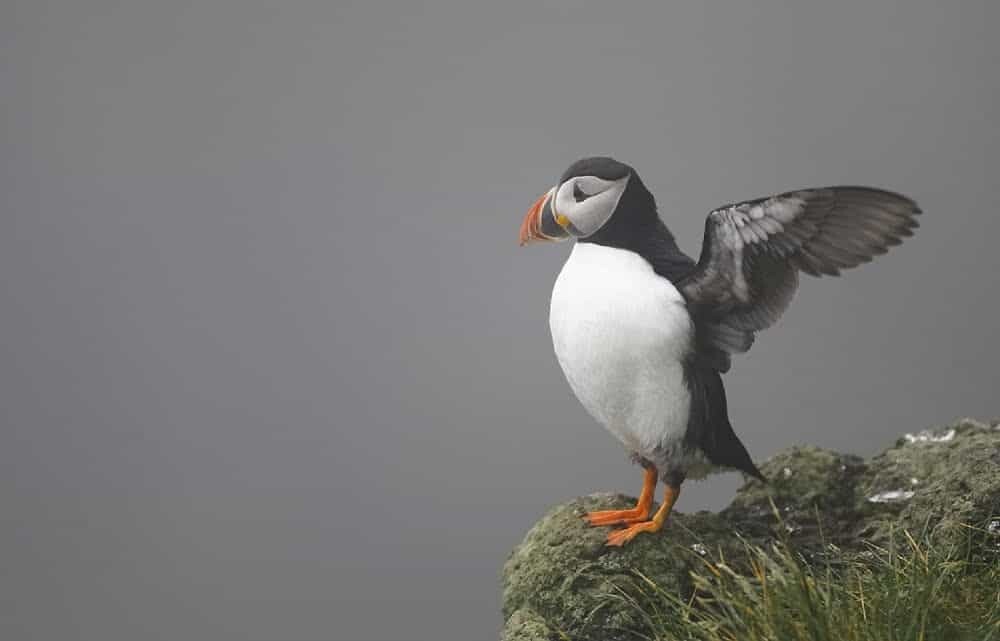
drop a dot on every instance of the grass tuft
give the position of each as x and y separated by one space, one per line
910 591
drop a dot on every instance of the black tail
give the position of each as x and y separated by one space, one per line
708 425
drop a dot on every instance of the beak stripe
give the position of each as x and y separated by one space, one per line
531 228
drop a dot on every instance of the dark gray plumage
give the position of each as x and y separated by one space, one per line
752 252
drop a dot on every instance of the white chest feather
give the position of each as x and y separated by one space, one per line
620 333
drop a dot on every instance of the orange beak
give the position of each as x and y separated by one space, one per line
540 224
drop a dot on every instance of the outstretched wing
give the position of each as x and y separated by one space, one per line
753 251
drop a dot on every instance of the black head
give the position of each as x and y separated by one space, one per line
603 167
594 197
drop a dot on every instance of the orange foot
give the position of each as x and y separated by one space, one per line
619 538
633 515
617 517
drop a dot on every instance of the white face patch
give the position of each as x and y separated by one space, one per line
588 201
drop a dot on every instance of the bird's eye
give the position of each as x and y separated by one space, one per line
578 194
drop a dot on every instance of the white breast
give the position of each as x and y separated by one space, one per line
620 333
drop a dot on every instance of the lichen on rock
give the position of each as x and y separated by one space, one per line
562 582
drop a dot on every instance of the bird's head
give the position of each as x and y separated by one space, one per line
581 203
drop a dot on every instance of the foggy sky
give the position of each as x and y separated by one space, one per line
273 365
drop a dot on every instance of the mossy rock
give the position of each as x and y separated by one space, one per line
811 496
948 486
562 582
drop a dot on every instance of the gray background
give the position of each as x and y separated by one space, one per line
273 366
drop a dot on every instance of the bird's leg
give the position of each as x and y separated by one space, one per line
623 536
633 515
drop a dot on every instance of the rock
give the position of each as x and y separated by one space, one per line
951 478
562 582
525 625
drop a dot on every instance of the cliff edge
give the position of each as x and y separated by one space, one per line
562 582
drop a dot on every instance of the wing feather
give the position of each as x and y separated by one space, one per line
753 251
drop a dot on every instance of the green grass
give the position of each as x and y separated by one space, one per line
910 592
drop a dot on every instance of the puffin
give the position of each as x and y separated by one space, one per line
643 333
